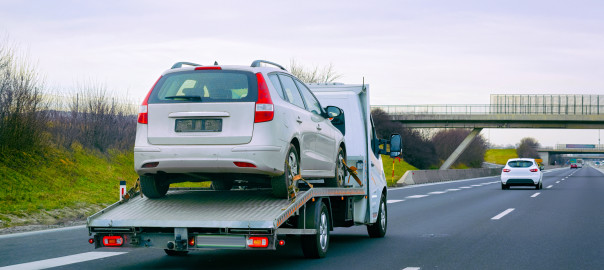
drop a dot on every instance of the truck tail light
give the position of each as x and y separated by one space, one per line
264 106
534 170
192 241
506 170
257 242
143 112
113 241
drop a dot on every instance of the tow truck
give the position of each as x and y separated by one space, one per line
252 219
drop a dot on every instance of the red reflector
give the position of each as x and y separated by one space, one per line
506 170
257 242
282 242
534 170
150 165
208 68
192 241
113 241
264 106
244 164
91 240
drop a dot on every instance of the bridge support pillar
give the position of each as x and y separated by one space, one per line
462 147
544 155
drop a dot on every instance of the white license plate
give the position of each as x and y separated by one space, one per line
198 125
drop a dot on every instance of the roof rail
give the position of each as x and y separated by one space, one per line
179 64
258 62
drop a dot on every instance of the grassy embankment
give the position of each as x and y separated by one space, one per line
399 169
499 156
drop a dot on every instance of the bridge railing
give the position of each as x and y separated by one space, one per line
554 109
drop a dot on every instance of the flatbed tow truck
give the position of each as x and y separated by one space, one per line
187 219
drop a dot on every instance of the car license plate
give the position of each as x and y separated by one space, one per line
198 125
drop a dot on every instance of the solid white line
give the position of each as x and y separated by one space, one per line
60 261
416 196
550 186
502 214
394 201
535 195
41 232
437 192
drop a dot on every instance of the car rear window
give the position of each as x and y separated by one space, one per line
520 164
205 86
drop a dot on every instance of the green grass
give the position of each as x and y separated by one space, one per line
399 169
58 178
499 156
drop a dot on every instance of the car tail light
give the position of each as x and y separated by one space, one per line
244 164
506 170
208 68
534 170
192 241
257 242
143 116
264 106
113 241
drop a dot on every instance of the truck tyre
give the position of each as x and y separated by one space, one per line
226 184
154 186
280 184
317 217
340 171
378 229
171 252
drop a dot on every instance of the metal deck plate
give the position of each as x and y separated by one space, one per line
197 208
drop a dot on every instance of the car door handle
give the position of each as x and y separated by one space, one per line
299 121
318 127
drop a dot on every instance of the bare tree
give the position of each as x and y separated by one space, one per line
528 148
326 74
447 140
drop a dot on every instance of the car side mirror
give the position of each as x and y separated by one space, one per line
396 145
334 114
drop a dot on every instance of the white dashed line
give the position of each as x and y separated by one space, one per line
437 192
411 268
476 185
453 189
416 196
465 187
535 195
394 201
557 182
502 214
60 261
550 186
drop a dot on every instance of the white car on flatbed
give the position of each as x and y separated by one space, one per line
253 219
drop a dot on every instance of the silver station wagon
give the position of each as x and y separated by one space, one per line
256 124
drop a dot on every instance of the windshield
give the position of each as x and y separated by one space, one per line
520 163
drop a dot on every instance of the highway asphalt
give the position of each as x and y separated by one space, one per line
467 224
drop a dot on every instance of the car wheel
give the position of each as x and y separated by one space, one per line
226 184
378 229
504 186
340 171
280 184
317 217
154 186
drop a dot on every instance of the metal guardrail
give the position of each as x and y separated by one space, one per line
486 109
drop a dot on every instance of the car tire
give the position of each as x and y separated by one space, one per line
280 184
504 186
315 246
378 229
154 186
340 171
226 184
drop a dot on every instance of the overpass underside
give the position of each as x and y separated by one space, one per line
557 121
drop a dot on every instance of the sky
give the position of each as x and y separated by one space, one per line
408 51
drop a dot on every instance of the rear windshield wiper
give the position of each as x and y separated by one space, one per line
184 97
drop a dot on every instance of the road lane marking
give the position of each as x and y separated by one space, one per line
557 182
476 185
465 187
416 196
437 192
411 268
453 189
535 195
502 214
60 261
550 186
394 201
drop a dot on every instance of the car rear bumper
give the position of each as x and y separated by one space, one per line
268 160
520 181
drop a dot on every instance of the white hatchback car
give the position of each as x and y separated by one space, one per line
521 172
255 123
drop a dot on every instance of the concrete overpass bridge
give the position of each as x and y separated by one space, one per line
496 115
585 151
